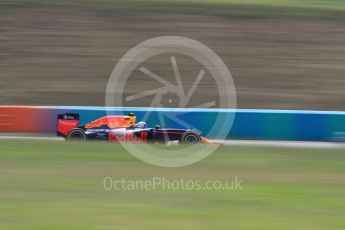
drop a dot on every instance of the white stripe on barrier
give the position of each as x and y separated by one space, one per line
246 143
31 138
285 144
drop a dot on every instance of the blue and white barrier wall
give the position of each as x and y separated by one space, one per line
247 123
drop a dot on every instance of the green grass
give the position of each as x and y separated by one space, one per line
322 9
59 186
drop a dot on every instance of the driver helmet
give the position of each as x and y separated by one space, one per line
141 125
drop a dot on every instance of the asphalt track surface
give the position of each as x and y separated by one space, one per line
254 143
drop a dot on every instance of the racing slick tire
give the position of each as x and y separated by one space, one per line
76 135
190 138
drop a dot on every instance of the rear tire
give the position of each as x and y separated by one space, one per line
190 138
76 135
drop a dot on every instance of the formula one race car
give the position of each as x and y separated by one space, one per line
122 128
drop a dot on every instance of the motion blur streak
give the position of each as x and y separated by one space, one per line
22 119
283 54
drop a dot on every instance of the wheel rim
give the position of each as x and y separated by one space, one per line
191 139
77 136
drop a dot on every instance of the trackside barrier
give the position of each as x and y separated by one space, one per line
248 124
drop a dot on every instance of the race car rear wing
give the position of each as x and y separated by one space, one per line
66 122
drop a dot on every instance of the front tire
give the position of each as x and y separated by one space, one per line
76 135
190 138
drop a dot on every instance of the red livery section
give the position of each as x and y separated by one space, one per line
66 122
64 126
112 122
128 137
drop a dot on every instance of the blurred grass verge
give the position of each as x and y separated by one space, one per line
48 185
320 9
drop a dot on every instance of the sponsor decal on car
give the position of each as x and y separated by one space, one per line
128 137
